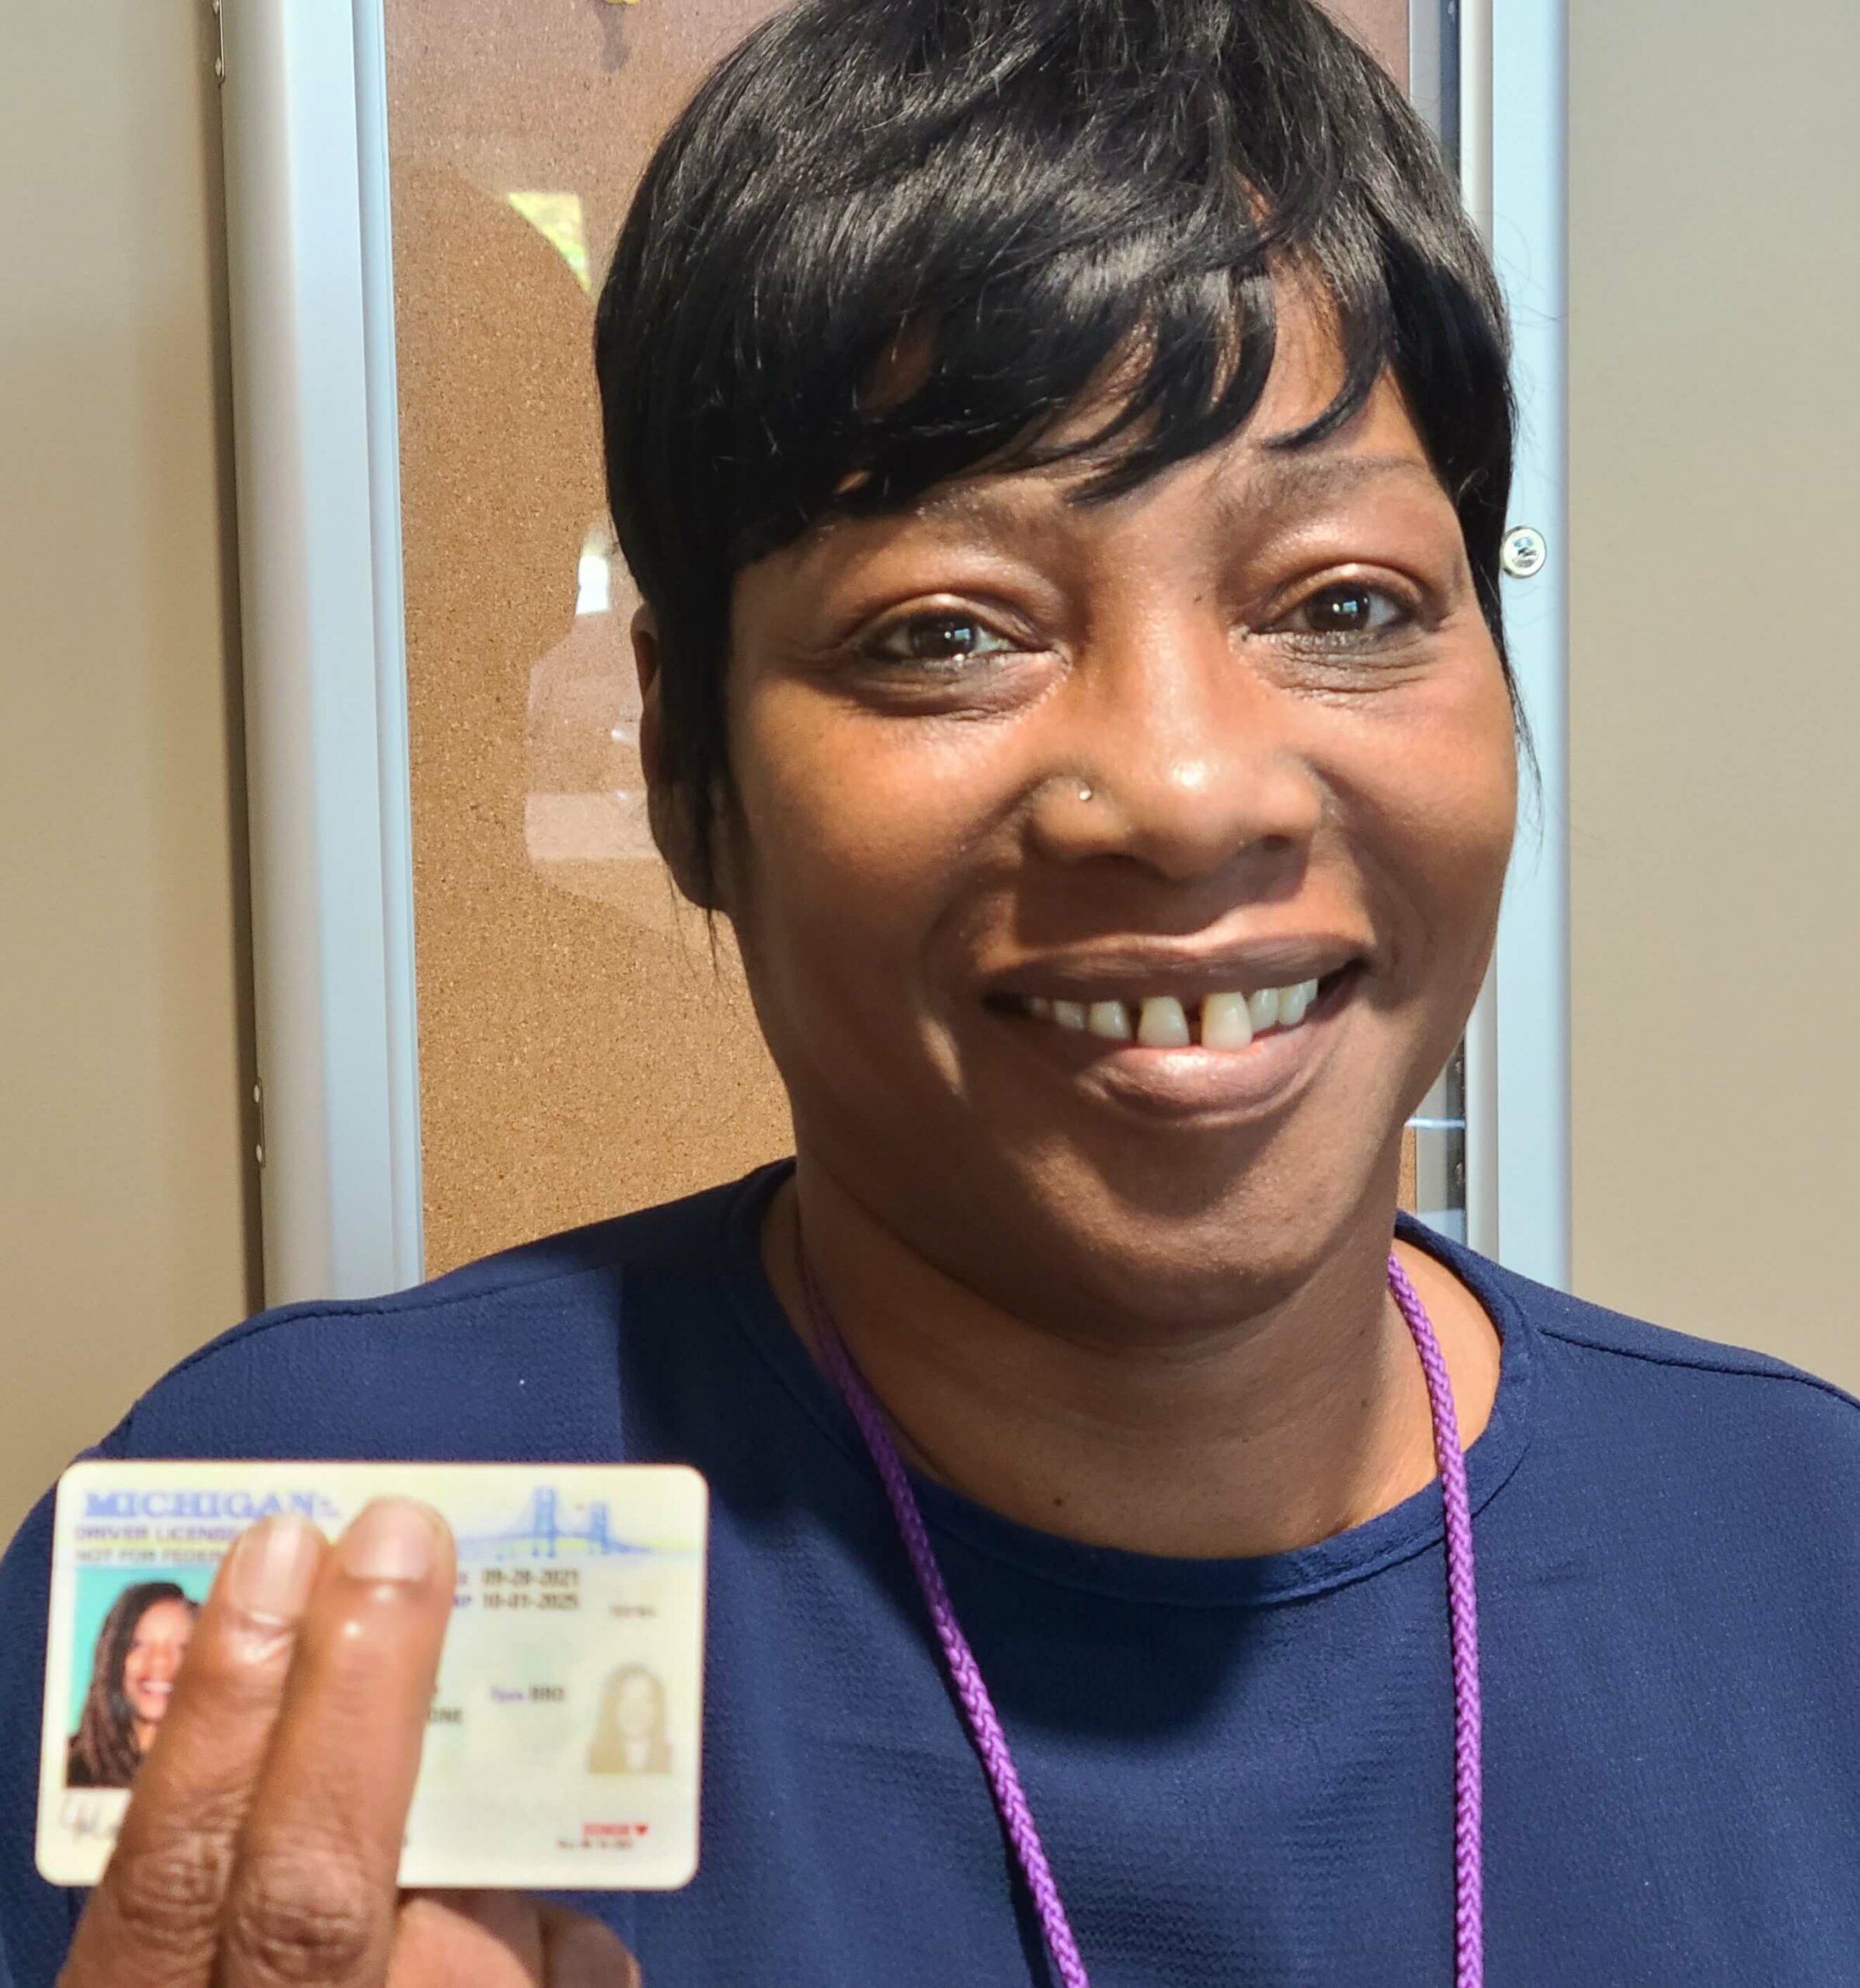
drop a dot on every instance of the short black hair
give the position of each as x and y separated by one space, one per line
1050 187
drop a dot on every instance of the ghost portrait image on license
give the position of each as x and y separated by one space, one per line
630 1725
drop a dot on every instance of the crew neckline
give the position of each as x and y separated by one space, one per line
1398 1535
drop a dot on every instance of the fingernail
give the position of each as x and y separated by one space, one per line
272 1566
392 1541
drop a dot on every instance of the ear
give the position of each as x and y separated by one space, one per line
668 805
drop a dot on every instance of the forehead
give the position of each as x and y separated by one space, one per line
163 1618
1257 480
1244 480
1260 471
1263 459
1248 482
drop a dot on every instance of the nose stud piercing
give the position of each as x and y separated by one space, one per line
1085 790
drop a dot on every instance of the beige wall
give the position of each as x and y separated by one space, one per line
1714 296
125 1206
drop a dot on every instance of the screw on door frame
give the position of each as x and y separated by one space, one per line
1523 552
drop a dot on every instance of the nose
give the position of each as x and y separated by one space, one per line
1175 752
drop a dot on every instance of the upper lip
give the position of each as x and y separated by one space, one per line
1136 968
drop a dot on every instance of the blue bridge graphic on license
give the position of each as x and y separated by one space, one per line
544 1532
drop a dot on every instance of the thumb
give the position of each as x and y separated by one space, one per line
502 1940
581 1953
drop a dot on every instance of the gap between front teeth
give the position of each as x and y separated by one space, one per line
1227 1021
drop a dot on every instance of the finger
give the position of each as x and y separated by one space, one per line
152 1921
466 1940
312 1900
501 1940
581 1953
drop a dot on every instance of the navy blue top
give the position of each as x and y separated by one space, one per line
1242 1769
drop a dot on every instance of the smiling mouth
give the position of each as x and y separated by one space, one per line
1230 1021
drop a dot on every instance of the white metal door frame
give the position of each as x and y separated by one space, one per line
304 116
1512 122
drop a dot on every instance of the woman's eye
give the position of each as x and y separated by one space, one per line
937 639
1350 610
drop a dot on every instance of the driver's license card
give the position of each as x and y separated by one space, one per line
561 1749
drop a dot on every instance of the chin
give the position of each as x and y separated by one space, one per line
1180 1257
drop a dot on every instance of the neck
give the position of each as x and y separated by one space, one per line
143 1732
1258 1436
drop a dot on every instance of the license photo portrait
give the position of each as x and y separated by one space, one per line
130 1632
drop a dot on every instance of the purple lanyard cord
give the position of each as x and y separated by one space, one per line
984 1724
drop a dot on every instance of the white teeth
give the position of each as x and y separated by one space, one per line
1294 1002
1163 1024
1110 1020
1225 1023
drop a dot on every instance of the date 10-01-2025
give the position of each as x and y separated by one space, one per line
519 1587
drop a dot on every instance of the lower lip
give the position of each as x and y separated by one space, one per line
1195 1082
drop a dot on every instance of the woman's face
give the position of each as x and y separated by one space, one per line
155 1651
1270 671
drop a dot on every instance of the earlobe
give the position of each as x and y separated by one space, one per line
667 805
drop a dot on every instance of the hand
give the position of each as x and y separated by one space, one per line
262 1842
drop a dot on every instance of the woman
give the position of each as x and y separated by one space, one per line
1062 446
132 1674
630 1727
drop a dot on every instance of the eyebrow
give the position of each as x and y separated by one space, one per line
1287 478
1282 480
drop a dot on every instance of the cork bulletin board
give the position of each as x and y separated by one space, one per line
583 1050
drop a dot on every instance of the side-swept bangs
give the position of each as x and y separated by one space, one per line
1053 186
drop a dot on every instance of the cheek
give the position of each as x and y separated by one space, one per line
1424 794
1478 783
1447 809
855 825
